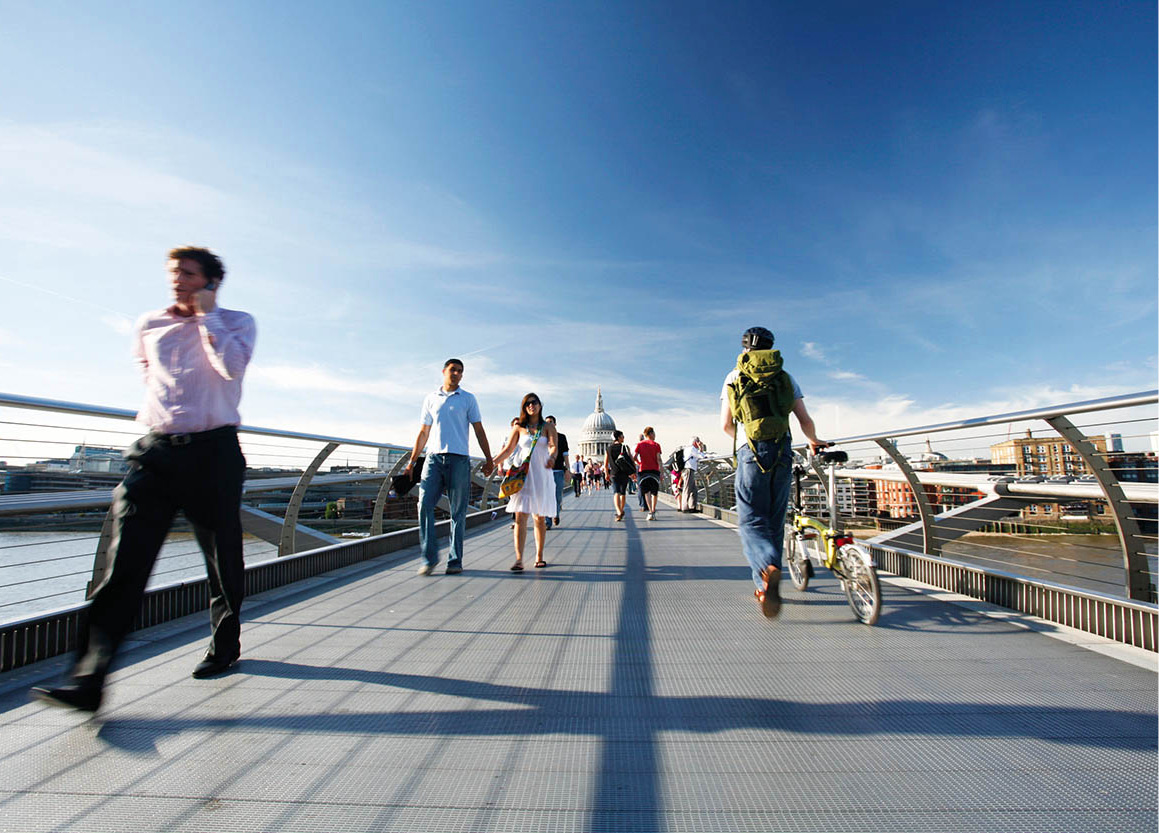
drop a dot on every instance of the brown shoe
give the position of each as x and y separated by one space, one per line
770 596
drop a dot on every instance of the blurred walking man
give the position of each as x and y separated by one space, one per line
193 355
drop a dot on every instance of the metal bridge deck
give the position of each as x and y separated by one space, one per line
630 686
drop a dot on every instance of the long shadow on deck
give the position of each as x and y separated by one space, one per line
629 717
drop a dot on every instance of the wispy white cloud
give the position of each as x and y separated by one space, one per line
847 376
826 356
40 159
810 350
406 383
107 188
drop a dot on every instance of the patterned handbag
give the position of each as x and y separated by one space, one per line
514 479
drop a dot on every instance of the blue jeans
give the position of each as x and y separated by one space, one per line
450 473
558 491
761 501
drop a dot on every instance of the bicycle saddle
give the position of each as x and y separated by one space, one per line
833 457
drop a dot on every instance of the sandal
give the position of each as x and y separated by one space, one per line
541 563
517 567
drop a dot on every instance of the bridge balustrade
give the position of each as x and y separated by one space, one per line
964 530
1077 547
61 461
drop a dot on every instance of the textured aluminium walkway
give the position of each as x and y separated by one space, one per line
630 686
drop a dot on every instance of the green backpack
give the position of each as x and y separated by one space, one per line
761 397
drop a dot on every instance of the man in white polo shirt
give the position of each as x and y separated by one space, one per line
448 411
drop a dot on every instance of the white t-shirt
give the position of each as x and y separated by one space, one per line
741 439
691 455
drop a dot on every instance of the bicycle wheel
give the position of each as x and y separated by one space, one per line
796 558
860 581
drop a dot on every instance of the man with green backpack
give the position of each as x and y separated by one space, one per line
755 403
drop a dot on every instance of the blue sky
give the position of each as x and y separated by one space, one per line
940 209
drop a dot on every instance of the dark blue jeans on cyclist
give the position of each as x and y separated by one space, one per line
762 498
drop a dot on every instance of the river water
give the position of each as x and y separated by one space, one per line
45 571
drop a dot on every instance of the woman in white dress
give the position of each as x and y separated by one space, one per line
535 438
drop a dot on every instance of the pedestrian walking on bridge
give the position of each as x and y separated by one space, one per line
577 474
445 417
693 454
648 456
537 442
559 472
619 462
193 355
755 402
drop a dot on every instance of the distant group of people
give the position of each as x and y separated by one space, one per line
193 356
757 397
588 474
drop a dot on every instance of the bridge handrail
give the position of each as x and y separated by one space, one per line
81 409
1127 400
17 504
1104 484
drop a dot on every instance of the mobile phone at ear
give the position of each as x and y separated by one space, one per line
211 285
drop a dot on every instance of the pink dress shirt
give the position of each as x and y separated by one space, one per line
193 368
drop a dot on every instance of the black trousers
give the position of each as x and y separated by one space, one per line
203 479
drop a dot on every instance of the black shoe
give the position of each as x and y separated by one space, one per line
81 698
454 567
211 667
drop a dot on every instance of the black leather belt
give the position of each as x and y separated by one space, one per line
178 440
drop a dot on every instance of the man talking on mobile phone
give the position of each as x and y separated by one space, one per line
193 355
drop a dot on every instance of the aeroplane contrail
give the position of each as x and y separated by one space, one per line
80 301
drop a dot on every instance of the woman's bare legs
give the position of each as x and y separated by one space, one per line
521 535
540 536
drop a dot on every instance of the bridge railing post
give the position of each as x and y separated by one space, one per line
290 523
1138 582
930 544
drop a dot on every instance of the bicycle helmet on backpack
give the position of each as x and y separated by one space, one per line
756 338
